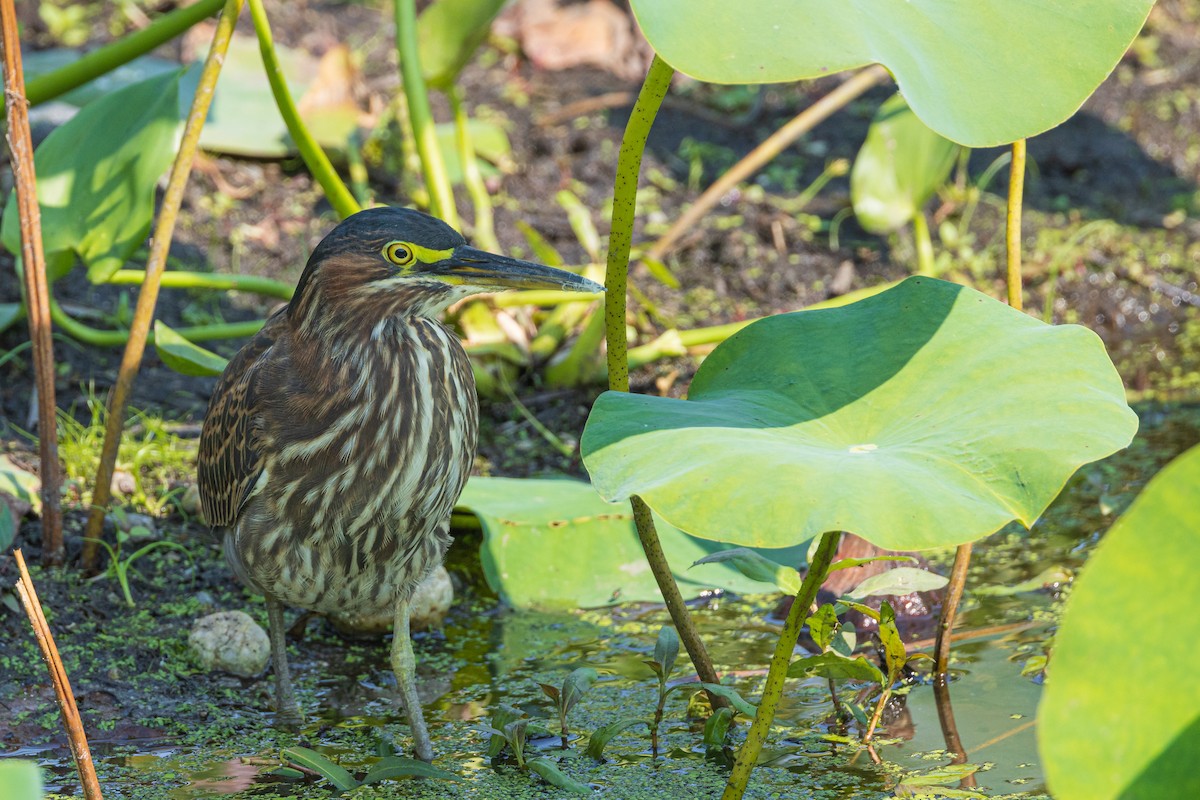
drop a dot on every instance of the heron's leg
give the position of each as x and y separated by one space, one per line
287 712
404 664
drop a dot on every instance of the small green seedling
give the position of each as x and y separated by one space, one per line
509 727
572 691
666 650
118 568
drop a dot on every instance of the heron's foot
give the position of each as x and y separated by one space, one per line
404 664
289 718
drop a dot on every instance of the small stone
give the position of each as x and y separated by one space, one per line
230 641
140 527
189 501
123 483
427 609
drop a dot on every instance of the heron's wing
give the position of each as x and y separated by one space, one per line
231 457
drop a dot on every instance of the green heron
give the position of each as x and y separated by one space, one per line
338 440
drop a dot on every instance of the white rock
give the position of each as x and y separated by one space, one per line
230 641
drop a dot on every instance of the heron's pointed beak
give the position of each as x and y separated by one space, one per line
472 267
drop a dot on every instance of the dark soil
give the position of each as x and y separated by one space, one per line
1130 157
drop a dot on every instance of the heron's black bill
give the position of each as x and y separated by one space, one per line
487 270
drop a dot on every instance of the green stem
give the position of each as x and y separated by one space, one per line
314 157
616 282
1012 230
773 689
432 166
102 338
98 62
182 279
620 238
485 229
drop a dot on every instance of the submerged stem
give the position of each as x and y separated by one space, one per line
773 689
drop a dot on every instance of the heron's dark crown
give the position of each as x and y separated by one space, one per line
368 231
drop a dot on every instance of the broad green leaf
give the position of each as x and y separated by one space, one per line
576 685
183 356
557 544
968 69
841 606
448 34
551 774
606 734
837 667
244 119
845 640
821 626
20 483
716 727
1120 717
336 774
489 141
394 767
850 563
10 313
666 649
42 62
894 651
740 704
898 581
899 167
8 530
97 175
1047 577
551 691
757 568
925 416
502 716
22 780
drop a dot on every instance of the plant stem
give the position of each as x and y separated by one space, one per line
62 684
616 282
954 592
433 167
182 279
37 289
318 163
107 58
1012 231
762 155
485 231
102 338
773 689
144 313
620 238
883 698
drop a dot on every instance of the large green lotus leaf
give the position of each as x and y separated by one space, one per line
556 544
22 780
899 167
924 416
97 172
981 73
1121 713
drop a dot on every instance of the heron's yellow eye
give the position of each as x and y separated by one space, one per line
399 253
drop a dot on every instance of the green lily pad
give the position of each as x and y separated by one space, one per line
980 73
899 167
1121 714
97 173
925 416
557 544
